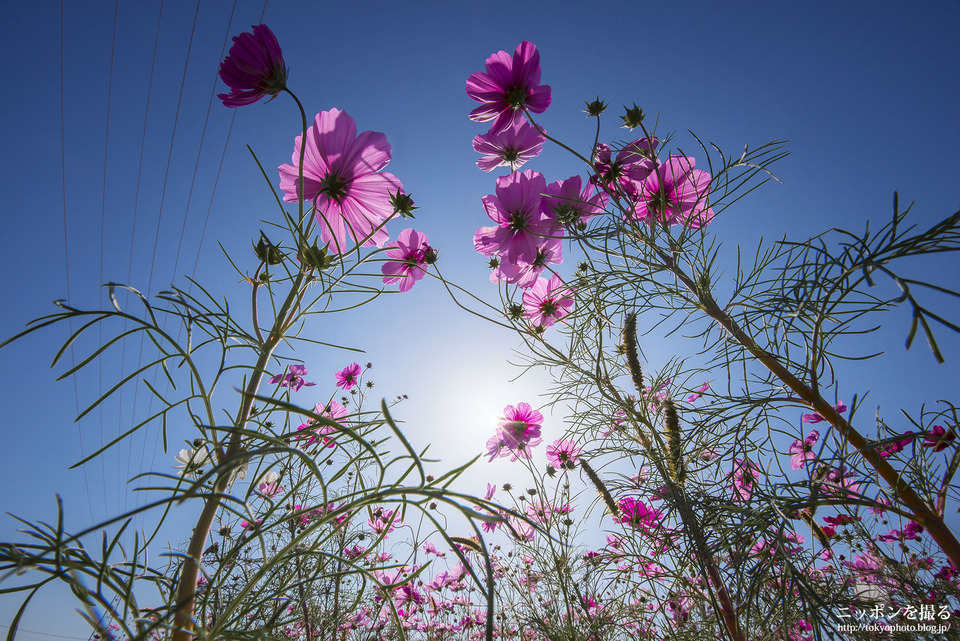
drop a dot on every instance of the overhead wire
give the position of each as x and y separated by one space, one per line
66 237
103 216
156 240
136 209
203 134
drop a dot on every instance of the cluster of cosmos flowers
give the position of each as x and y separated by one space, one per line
530 217
352 197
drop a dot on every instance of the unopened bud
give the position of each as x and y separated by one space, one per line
402 204
633 117
267 252
595 108
313 256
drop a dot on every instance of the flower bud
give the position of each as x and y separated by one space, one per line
267 252
595 108
402 204
313 256
633 117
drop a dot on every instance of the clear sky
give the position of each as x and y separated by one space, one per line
866 93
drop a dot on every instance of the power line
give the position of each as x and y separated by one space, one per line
136 207
46 634
103 215
66 240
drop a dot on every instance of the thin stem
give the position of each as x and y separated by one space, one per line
187 586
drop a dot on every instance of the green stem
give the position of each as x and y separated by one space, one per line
187 585
920 510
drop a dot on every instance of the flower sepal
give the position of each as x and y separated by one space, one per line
402 204
267 252
595 108
633 117
314 256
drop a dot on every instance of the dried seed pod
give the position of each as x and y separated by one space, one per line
630 349
601 488
671 424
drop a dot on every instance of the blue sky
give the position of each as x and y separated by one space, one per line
866 93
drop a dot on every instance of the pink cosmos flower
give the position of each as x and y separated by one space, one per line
938 438
841 519
817 418
563 454
251 525
622 176
333 410
512 147
343 176
841 482
521 530
540 512
491 490
523 275
348 377
803 450
509 85
637 514
428 546
700 390
293 378
547 302
253 69
896 446
521 227
382 520
675 194
269 484
568 203
408 255
879 509
518 430
745 476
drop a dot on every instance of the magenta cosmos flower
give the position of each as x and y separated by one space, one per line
675 194
511 148
938 438
293 378
524 275
816 417
547 302
802 451
745 476
567 203
509 85
521 226
334 411
407 259
253 69
623 176
563 454
517 431
637 514
343 176
348 377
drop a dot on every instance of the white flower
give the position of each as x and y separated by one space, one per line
190 461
